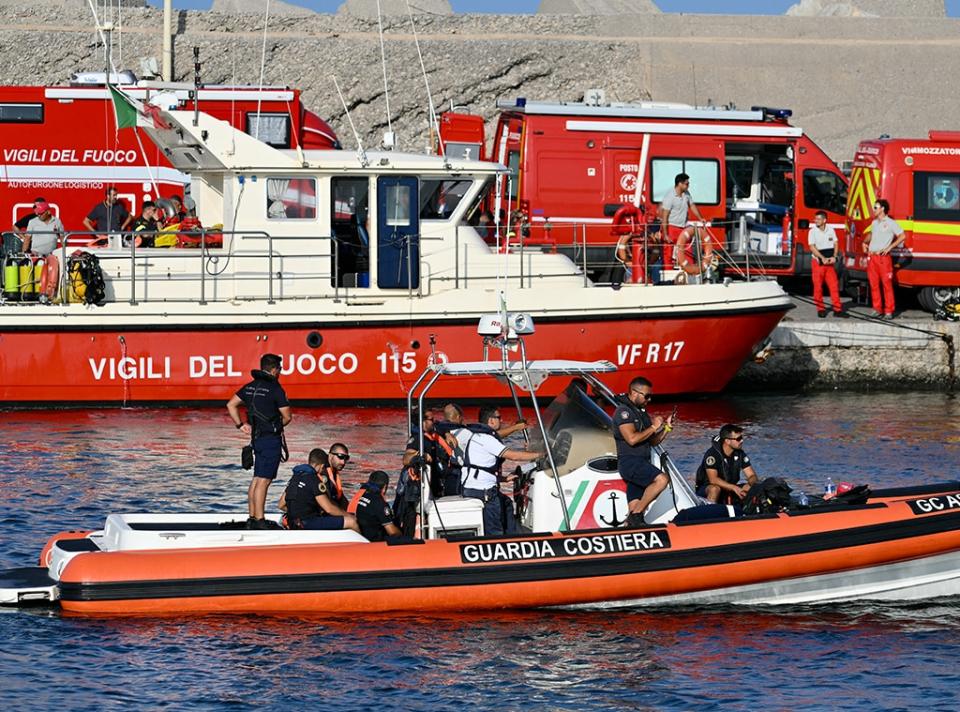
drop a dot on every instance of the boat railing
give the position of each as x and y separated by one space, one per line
259 265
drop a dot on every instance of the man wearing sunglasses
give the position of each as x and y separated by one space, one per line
339 457
718 477
635 433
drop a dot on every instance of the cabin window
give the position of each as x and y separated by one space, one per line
460 149
824 190
740 177
350 232
513 163
272 129
440 198
21 113
704 178
291 199
936 196
397 209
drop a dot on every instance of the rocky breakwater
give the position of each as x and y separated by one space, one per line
830 71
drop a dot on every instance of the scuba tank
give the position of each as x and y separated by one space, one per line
28 288
11 277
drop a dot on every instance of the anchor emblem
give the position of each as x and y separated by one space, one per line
614 520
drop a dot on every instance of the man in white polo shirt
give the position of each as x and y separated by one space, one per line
884 236
482 454
823 246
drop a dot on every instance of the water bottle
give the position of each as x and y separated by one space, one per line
829 489
803 500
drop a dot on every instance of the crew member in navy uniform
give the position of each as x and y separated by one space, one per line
308 499
268 413
374 515
483 456
719 472
635 432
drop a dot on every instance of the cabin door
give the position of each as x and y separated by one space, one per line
398 233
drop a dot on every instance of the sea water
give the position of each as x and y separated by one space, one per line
65 469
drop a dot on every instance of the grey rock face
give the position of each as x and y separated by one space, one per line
869 8
597 7
368 8
278 8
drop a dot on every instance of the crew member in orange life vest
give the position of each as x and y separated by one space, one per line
438 452
309 500
339 457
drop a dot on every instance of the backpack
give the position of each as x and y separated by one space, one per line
767 497
86 278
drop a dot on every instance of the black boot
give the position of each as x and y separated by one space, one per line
635 520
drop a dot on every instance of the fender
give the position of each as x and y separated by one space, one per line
50 277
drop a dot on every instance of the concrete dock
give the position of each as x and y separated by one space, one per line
910 352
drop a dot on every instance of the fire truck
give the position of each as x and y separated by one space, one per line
757 179
60 142
920 178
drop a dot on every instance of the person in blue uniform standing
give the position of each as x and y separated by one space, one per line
723 463
268 413
635 433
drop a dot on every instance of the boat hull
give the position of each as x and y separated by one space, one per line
894 550
342 360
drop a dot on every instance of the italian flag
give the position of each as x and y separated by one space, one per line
130 113
124 110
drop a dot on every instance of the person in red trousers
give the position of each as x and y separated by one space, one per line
823 245
883 236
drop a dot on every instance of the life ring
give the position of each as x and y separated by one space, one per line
693 267
626 220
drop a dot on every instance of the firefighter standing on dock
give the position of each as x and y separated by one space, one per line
884 236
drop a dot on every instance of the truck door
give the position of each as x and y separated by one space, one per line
702 160
398 233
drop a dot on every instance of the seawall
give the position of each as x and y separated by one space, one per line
909 353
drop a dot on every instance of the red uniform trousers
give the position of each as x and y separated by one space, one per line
880 274
826 273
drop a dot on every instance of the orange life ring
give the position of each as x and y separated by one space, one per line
626 220
706 260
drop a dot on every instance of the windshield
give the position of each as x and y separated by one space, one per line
572 411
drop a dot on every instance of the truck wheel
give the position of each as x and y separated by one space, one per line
931 298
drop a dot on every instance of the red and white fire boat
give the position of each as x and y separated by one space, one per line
358 268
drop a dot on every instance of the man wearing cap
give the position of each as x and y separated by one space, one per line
20 226
268 413
374 515
43 230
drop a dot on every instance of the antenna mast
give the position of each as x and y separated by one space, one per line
389 138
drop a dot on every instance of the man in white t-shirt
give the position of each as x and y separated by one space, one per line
482 453
43 231
883 237
823 246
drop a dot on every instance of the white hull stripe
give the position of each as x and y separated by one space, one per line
91 173
692 129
